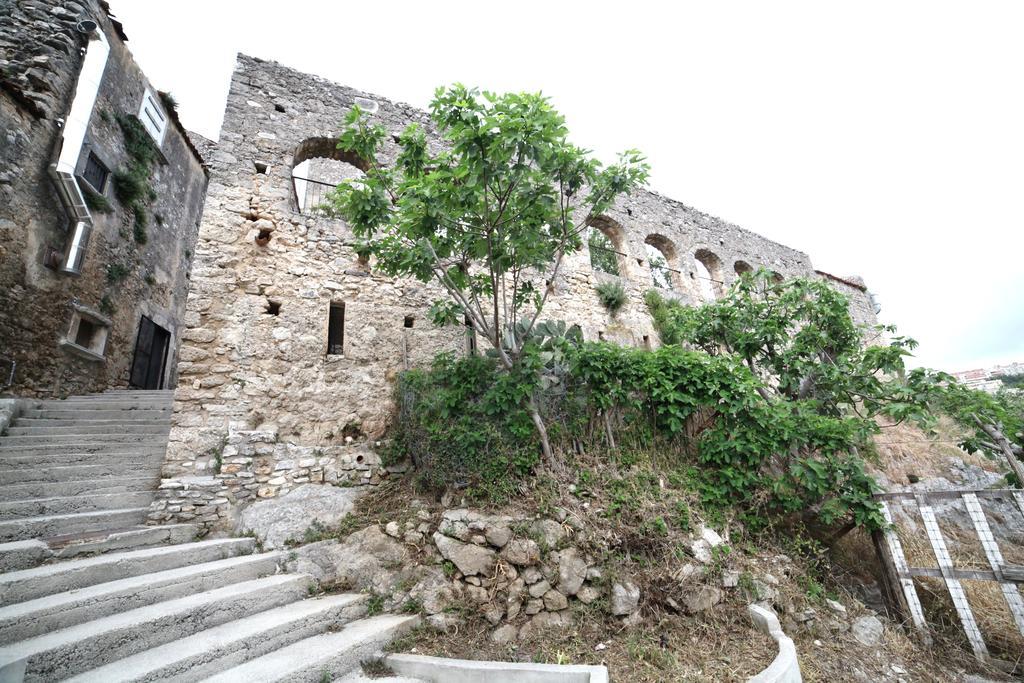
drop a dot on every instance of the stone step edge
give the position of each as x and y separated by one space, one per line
52 606
181 652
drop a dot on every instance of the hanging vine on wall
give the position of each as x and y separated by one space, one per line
132 184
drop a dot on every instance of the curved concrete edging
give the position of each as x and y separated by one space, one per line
441 670
785 668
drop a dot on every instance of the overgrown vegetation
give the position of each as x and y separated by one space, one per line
1011 381
489 218
612 296
462 424
132 183
994 422
170 104
96 202
764 401
116 272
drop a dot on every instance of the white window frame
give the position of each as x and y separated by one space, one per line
153 118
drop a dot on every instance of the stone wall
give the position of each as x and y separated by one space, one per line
257 381
41 53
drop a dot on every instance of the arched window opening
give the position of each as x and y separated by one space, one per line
604 240
660 254
708 274
742 267
318 167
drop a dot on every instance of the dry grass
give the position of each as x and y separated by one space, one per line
905 451
991 613
985 597
618 503
718 646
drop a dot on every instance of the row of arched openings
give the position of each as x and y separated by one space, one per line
318 165
605 241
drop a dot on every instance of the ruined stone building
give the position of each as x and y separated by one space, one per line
284 355
292 341
101 191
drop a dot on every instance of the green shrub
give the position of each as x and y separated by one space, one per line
612 296
96 202
139 227
462 424
129 186
116 272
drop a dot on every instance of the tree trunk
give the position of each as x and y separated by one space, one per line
1005 445
542 432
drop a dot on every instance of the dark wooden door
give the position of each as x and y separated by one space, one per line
150 356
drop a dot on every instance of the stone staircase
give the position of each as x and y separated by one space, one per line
90 594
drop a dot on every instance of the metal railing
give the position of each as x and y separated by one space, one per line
309 195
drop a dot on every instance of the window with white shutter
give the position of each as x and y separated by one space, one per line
153 118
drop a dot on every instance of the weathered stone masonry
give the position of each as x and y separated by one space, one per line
261 405
42 50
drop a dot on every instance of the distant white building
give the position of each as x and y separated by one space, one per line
987 379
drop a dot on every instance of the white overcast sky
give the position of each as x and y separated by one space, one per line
885 139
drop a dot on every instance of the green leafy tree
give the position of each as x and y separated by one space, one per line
489 217
994 422
829 383
799 337
1011 381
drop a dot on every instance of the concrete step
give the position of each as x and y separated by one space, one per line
58 428
125 406
18 555
321 657
45 526
76 649
67 505
121 539
45 473
9 443
126 484
127 402
51 422
129 461
135 392
221 647
82 446
33 618
30 584
93 414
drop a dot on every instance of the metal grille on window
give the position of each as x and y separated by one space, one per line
95 173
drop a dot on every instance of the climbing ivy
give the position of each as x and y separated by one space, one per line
132 183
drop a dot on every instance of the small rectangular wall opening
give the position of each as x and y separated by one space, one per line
273 307
336 329
470 336
261 167
409 320
86 334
